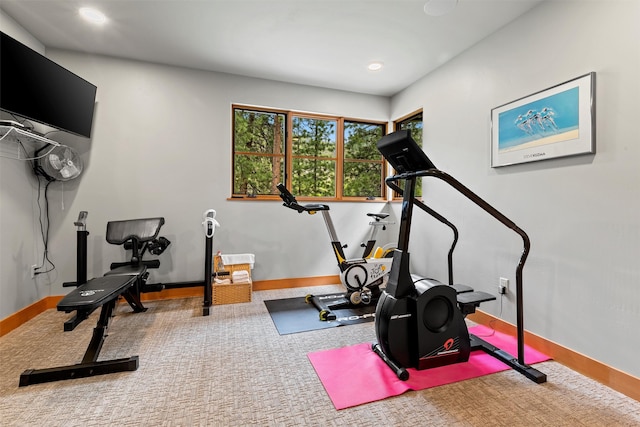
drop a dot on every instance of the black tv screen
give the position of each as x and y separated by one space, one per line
403 153
36 88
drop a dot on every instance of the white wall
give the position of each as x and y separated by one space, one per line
582 280
19 231
161 146
15 30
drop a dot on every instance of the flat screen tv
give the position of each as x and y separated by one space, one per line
36 88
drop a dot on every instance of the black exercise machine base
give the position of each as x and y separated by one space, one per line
80 370
400 372
476 344
506 358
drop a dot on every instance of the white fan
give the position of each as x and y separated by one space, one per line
60 164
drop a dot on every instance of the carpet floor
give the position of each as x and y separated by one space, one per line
233 368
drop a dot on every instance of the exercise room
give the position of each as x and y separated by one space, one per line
286 213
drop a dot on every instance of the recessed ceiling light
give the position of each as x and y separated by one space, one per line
375 66
439 7
92 15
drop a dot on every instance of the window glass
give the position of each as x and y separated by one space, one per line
259 139
413 123
315 156
363 166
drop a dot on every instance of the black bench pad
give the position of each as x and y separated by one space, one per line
96 292
144 230
127 270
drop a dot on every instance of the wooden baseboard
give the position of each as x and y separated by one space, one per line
260 285
267 285
23 316
626 384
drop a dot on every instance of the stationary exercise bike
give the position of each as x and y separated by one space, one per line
362 277
420 322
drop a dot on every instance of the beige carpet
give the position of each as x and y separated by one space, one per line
233 369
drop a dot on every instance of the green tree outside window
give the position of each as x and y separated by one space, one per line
414 125
318 156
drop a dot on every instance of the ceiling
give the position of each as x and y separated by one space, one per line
326 43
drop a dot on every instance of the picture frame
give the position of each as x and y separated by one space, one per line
552 123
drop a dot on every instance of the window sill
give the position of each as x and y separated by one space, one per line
308 199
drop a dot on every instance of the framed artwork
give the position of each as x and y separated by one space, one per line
555 122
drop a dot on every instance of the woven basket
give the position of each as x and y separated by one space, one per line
230 293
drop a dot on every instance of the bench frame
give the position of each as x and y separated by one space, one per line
87 297
89 365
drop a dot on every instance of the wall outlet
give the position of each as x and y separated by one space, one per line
503 286
34 267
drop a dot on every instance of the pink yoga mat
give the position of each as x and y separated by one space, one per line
355 375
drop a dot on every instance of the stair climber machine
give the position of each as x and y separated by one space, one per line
362 277
420 322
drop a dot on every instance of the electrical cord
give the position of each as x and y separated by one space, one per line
44 231
493 321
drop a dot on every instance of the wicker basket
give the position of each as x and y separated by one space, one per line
230 293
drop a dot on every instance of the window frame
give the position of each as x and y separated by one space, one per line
288 157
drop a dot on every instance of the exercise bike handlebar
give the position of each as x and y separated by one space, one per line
291 202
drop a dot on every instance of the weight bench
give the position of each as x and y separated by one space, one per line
124 280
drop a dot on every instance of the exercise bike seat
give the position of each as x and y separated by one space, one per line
95 293
380 215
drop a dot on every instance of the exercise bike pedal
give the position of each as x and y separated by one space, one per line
326 315
355 298
363 297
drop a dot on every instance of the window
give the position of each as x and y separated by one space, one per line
362 162
314 155
413 123
314 148
258 151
